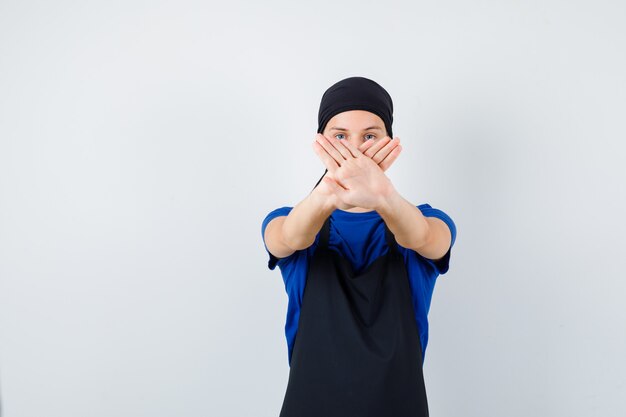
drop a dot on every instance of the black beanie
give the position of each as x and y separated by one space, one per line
355 93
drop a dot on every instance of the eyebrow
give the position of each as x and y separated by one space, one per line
368 128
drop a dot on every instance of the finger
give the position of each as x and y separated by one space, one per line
377 146
353 150
328 161
382 153
390 159
366 145
343 146
324 142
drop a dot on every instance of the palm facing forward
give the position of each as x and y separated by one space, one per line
356 176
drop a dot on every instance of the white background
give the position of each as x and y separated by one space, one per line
143 142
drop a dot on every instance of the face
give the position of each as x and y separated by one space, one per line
355 126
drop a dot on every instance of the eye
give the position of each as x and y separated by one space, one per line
339 134
374 136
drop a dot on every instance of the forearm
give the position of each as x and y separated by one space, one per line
306 219
404 220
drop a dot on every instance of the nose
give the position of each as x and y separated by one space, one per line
356 142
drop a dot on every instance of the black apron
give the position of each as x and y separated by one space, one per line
357 349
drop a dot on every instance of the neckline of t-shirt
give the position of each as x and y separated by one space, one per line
363 214
366 214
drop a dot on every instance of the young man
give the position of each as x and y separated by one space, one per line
359 264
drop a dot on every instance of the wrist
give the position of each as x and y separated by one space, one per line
389 199
323 202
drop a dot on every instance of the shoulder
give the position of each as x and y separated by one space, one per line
429 211
290 263
437 266
281 211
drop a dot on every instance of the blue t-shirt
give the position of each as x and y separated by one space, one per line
360 238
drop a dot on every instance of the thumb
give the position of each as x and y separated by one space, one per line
336 188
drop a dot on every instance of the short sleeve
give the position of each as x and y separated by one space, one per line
282 211
442 265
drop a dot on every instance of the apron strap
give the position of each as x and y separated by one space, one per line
391 240
325 235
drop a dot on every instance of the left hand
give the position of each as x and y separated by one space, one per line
358 180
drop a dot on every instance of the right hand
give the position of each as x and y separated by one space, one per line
383 151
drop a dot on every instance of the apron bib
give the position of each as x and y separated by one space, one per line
357 349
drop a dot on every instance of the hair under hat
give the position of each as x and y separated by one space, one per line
355 93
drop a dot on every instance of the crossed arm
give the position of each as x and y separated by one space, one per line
428 236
